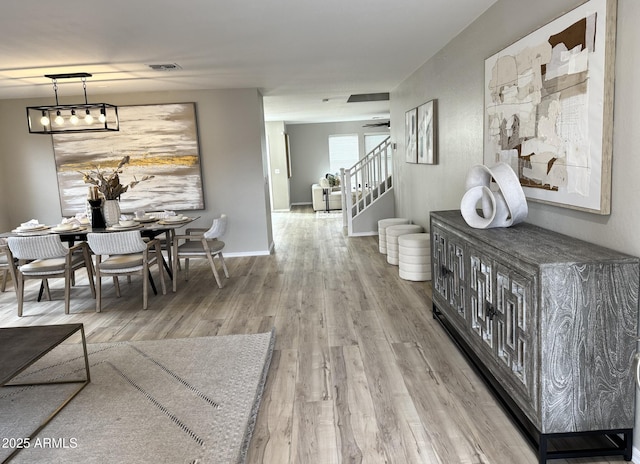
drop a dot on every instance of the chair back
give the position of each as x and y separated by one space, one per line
5 254
217 228
37 247
116 243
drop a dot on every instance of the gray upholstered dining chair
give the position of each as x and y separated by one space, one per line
44 257
126 254
200 243
7 265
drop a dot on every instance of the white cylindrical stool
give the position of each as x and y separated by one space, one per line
414 256
382 227
393 232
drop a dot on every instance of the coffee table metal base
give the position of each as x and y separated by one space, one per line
20 347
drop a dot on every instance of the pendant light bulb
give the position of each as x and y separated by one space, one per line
73 119
44 120
103 117
88 118
59 120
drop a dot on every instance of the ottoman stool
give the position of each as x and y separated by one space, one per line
382 226
414 256
392 233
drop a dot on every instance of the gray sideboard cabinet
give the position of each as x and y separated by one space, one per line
550 323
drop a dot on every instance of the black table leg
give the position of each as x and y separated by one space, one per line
153 284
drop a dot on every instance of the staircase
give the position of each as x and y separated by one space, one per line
367 191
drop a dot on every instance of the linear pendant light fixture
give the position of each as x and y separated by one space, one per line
79 117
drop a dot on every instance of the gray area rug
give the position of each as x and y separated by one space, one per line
168 401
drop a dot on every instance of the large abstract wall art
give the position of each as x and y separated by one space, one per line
162 141
549 108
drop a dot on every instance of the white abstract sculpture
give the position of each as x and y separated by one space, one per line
502 208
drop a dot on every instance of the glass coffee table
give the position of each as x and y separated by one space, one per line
20 347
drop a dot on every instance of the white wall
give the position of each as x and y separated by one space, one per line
232 147
310 152
455 78
278 166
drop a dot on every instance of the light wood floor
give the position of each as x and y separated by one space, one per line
361 372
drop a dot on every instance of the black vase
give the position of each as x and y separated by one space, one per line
97 219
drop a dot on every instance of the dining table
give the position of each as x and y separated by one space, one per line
151 226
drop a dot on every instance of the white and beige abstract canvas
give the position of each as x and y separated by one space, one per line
162 141
548 110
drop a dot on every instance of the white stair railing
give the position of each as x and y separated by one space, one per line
366 181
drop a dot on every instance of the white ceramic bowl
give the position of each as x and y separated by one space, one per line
127 223
173 218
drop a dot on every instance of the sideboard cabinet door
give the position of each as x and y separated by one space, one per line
502 301
449 273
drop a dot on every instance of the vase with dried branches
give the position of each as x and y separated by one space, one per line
107 183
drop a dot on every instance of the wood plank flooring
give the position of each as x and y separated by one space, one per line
361 372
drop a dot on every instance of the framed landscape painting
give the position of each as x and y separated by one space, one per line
162 141
427 147
549 108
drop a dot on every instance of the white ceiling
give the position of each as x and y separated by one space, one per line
297 52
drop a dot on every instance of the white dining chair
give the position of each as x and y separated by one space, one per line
7 265
125 253
44 257
200 243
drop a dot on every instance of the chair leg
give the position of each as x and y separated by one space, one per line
98 285
224 265
88 264
168 240
175 265
116 284
145 286
68 277
4 280
20 293
13 273
160 264
215 271
186 269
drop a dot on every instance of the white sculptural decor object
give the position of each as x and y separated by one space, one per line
503 207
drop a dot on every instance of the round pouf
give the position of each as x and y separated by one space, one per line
382 227
414 256
393 232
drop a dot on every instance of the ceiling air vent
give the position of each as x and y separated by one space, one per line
368 97
165 67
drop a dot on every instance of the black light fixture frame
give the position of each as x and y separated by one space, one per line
35 114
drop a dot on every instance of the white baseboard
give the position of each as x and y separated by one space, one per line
242 254
364 234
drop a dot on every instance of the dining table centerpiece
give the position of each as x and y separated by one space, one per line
106 183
